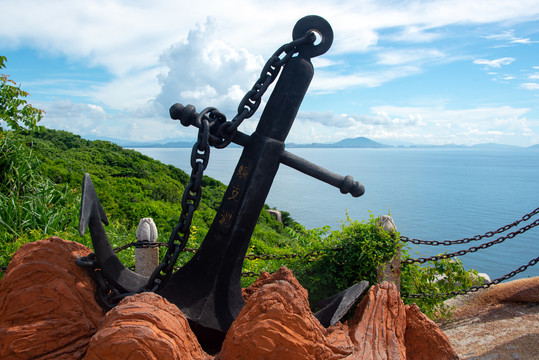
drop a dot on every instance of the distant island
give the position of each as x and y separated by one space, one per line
350 143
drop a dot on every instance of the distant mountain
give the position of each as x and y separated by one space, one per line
359 142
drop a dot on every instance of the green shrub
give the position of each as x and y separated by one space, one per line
435 279
349 256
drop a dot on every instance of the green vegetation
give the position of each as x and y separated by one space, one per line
14 110
40 179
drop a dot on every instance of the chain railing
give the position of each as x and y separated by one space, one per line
318 253
476 288
474 248
488 234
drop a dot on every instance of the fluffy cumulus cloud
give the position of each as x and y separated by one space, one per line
206 71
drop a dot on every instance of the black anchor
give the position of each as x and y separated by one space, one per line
207 289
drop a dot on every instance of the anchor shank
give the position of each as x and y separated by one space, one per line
207 289
346 184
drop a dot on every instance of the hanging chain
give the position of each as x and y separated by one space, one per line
192 194
214 130
474 238
106 294
476 288
474 248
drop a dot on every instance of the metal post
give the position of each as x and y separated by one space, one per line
390 271
146 256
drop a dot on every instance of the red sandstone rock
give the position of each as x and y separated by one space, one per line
378 326
47 304
424 340
276 323
145 326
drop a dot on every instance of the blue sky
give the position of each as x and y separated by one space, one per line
430 72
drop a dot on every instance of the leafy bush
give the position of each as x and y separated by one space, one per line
434 279
14 110
349 256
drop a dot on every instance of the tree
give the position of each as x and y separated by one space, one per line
14 110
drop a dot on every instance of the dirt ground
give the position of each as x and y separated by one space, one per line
501 322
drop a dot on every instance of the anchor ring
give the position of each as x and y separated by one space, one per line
318 25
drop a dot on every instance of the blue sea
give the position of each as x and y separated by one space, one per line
432 194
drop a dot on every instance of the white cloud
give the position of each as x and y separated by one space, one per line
530 86
510 37
93 120
205 71
425 125
122 36
496 63
404 56
325 81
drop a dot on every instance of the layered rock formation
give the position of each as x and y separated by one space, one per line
47 310
47 306
145 326
276 323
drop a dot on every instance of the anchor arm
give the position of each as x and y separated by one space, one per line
346 184
93 216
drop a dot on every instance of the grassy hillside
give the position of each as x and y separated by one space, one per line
41 183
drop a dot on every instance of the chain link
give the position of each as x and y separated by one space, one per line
474 248
312 254
106 294
488 234
475 288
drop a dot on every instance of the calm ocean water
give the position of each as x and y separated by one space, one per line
432 194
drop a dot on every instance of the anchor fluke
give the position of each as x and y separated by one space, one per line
336 306
92 215
90 206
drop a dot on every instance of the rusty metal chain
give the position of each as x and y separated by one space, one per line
253 98
488 234
312 254
474 248
476 288
192 195
106 294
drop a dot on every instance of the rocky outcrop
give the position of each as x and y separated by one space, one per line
378 326
145 326
48 311
47 306
423 338
276 323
